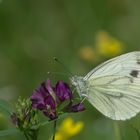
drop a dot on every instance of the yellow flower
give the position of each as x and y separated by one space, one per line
107 46
68 128
86 53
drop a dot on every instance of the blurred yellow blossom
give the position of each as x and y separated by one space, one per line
68 128
107 45
87 53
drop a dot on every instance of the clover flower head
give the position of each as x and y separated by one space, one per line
24 116
14 118
48 99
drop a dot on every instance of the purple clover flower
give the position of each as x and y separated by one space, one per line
43 99
63 91
47 99
77 107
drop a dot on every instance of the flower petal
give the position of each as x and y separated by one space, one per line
50 102
37 99
63 91
77 107
40 94
49 86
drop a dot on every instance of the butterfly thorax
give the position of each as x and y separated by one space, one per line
80 85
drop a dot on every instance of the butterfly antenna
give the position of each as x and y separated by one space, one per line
62 64
58 73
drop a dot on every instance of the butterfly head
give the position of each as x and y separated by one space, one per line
80 84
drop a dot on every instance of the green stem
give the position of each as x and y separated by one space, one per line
54 131
138 133
35 135
31 135
26 136
136 130
117 131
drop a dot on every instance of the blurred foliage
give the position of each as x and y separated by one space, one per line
33 32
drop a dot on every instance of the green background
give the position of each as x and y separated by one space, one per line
32 32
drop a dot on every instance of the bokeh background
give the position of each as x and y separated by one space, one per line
81 34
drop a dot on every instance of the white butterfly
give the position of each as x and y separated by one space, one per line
113 87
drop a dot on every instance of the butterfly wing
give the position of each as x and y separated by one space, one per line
114 86
121 65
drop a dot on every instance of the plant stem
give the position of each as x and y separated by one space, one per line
117 131
54 131
138 133
136 130
26 136
35 135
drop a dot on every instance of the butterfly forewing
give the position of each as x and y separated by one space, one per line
121 65
114 86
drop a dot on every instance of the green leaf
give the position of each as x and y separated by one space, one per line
7 132
5 107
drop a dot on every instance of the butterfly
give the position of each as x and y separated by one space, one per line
113 87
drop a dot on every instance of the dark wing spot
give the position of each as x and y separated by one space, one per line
134 73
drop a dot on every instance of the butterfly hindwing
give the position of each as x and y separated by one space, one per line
117 101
